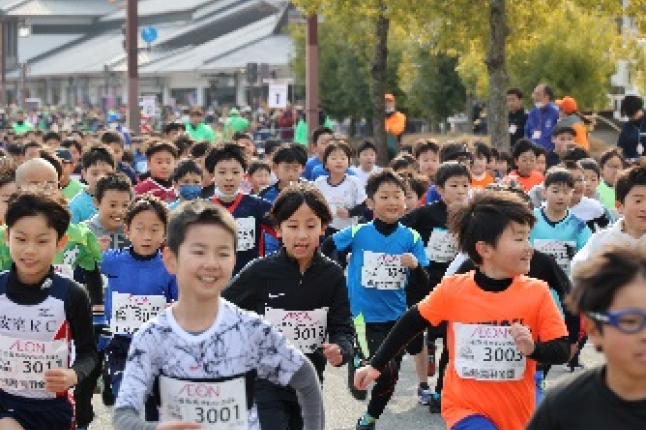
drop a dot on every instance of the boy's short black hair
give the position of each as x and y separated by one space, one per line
563 129
590 164
200 149
241 135
522 146
160 146
385 176
143 203
481 150
494 153
30 144
185 167
74 141
539 150
257 165
630 105
516 92
575 153
402 161
320 131
226 152
455 151
52 159
425 146
8 168
197 212
15 149
417 183
558 175
627 179
597 281
337 145
97 154
183 142
112 136
116 181
293 197
609 154
449 169
26 204
571 165
485 219
270 146
406 149
290 153
51 135
174 126
366 145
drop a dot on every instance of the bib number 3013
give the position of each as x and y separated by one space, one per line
215 405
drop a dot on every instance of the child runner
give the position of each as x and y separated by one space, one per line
588 210
258 175
112 197
541 160
138 284
302 293
71 186
227 164
205 343
161 158
563 139
611 163
320 139
500 323
387 263
427 153
187 180
367 158
452 181
45 311
525 161
610 291
481 155
114 140
557 231
450 151
7 185
96 162
344 193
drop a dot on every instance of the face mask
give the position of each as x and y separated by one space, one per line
539 105
219 194
390 110
186 118
190 191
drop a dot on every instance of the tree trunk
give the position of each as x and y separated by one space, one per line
379 75
496 62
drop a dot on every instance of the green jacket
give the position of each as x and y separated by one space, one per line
22 128
200 132
72 189
235 123
302 134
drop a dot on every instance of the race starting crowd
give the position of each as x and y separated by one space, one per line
205 285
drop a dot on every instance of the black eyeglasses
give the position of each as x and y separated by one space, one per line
628 321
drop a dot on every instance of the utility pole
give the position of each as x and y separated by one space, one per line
132 34
312 75
3 64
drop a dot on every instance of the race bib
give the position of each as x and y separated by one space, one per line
562 251
65 270
246 233
306 330
442 246
23 362
487 353
513 128
215 405
383 271
130 311
536 134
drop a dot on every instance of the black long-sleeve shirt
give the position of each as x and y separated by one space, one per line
276 281
77 314
552 352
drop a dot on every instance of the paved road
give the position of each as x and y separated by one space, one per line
403 411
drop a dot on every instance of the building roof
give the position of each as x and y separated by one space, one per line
61 8
159 7
273 50
38 44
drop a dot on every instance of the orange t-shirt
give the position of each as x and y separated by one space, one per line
481 183
477 323
528 182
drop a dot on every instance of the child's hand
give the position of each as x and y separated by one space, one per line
178 425
333 353
342 213
59 380
104 242
365 376
523 338
409 260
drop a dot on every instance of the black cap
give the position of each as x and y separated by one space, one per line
454 151
64 154
560 129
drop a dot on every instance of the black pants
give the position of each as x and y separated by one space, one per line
278 407
384 386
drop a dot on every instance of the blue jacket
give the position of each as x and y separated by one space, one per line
542 121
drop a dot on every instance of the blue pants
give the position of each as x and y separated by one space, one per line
474 422
538 380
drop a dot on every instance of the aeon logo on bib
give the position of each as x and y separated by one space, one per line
202 391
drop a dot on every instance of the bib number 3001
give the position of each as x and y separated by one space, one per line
215 405
487 353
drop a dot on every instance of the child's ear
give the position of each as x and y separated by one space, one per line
278 231
323 228
620 207
544 192
95 202
484 250
170 260
592 329
370 203
62 242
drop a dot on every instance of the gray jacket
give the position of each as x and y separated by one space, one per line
118 239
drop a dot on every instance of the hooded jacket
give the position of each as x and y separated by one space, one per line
118 239
235 122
